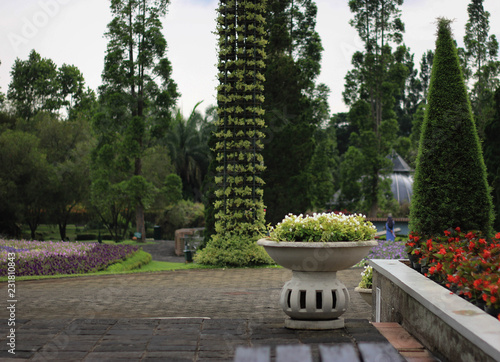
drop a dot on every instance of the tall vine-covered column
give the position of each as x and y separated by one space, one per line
240 96
239 197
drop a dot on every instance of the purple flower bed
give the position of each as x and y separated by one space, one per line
386 249
52 258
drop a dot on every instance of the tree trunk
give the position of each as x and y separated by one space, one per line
139 220
62 230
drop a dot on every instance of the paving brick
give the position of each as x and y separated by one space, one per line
60 356
113 356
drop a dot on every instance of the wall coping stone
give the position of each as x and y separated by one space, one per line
474 324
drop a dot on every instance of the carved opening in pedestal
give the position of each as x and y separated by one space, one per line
334 299
319 299
302 299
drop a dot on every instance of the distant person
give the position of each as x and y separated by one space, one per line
389 228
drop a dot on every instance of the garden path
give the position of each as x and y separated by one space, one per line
189 315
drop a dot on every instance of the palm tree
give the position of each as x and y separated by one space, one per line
187 143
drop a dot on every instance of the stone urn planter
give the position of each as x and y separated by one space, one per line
314 298
366 294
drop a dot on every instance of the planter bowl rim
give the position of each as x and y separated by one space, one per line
315 244
363 290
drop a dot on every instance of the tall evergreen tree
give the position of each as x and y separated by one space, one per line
379 76
450 187
482 67
295 105
491 146
137 94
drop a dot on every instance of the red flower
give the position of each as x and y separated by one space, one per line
497 236
471 246
493 299
457 229
486 254
477 284
442 251
482 241
447 233
470 235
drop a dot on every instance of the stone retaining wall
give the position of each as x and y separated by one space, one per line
444 323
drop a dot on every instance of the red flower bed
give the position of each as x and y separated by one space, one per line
466 263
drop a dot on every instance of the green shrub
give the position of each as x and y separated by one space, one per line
136 261
235 251
184 214
450 187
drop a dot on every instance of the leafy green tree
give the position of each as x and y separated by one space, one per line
34 86
26 180
39 85
173 188
409 152
295 105
157 167
323 166
425 72
450 187
137 95
379 76
67 146
482 67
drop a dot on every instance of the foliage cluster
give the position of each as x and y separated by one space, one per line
300 147
183 214
233 251
325 227
465 262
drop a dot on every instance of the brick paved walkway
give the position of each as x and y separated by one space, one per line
191 315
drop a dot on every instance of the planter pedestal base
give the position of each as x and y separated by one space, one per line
314 300
314 325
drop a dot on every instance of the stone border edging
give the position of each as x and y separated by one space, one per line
463 320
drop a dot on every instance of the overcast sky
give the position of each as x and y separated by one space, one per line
71 32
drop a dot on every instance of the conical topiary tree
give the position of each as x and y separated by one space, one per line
450 187
239 218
